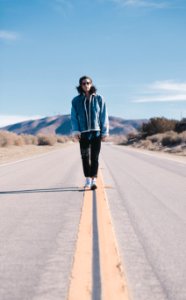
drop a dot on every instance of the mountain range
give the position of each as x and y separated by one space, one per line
61 125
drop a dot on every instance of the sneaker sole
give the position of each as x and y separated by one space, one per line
87 187
94 187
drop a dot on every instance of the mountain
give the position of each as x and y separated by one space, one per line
61 125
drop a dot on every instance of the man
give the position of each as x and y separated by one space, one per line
89 120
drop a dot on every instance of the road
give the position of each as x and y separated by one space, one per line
148 205
40 208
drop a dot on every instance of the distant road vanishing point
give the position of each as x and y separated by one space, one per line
127 240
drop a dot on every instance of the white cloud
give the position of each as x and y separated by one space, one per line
163 91
8 35
169 85
160 98
13 119
142 3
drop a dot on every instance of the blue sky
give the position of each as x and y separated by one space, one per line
135 51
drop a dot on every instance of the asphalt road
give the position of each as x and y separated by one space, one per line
147 199
40 207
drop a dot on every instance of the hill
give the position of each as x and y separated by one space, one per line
61 125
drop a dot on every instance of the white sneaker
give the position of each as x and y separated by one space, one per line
93 185
87 183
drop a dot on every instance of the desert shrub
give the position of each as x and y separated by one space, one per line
9 139
3 140
146 144
19 141
44 140
158 125
171 139
29 139
181 125
62 138
122 140
6 138
183 136
117 139
156 138
131 135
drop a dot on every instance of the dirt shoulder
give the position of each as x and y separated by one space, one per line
14 153
179 157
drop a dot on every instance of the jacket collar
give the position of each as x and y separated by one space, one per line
93 94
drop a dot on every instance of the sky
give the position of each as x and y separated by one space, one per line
134 50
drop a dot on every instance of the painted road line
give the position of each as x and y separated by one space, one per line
97 272
112 274
81 276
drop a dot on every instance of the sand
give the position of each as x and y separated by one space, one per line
14 153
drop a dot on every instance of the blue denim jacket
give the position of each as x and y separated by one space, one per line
95 119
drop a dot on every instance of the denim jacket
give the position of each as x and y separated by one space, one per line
95 119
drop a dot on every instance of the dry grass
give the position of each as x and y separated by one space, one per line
146 144
8 139
117 139
44 140
170 138
63 139
156 138
14 147
29 139
169 141
183 136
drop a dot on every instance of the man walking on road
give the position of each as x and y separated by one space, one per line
89 120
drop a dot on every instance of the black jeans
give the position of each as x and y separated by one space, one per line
90 149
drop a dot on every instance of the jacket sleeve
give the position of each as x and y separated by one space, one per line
104 121
74 120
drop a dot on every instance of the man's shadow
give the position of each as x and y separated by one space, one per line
45 190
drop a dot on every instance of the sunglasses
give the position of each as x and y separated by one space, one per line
86 83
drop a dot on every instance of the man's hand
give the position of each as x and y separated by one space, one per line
78 136
103 138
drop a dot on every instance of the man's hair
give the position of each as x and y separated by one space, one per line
79 88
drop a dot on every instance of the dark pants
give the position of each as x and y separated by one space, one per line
90 149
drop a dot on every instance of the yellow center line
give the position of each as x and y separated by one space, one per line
112 274
96 227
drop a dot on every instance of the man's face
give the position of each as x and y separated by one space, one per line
86 85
